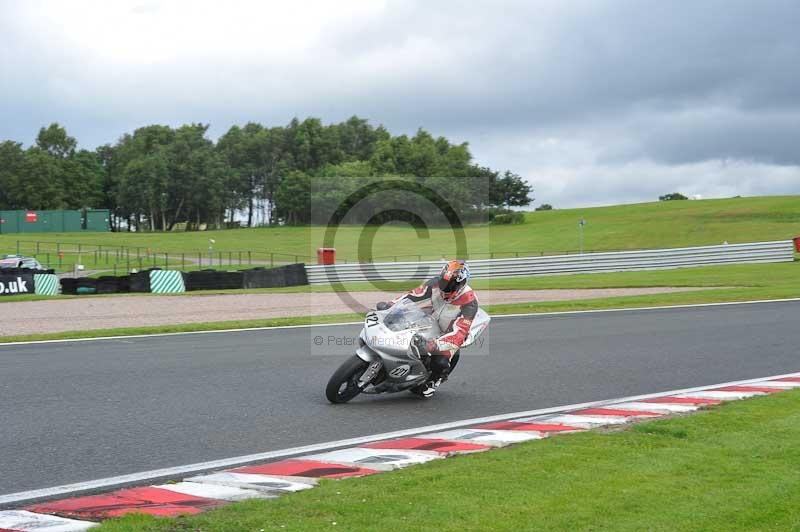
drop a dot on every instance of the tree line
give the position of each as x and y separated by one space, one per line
159 176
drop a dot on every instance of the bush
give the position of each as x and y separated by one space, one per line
672 197
544 207
511 218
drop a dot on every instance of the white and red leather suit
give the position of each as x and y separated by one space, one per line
454 313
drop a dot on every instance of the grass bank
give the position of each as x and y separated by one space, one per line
733 467
637 226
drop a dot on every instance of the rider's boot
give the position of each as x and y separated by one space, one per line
440 369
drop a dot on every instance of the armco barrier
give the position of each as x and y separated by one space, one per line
758 252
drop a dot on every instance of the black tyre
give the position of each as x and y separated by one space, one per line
343 384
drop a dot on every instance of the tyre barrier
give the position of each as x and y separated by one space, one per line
213 280
113 285
290 275
140 282
82 285
158 281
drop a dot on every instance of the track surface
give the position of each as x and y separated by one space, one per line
86 410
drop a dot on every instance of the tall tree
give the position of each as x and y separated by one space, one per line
82 179
39 182
511 190
293 198
54 140
12 161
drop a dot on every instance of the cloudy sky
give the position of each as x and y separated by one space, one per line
595 102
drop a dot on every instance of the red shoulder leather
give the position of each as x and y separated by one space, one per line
463 299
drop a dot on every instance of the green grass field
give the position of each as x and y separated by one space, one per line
733 467
646 225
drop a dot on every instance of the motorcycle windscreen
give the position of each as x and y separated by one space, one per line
406 315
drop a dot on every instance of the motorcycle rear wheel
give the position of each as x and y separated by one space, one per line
343 384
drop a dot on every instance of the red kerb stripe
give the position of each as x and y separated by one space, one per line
682 400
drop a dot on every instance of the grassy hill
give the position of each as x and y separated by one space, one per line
637 226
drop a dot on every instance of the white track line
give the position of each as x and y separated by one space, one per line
664 307
180 471
494 316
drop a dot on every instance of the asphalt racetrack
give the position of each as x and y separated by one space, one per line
79 411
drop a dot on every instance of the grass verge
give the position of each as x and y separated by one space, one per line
186 327
733 467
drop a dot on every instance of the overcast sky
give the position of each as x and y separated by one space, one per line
594 102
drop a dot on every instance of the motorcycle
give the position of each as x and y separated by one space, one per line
384 361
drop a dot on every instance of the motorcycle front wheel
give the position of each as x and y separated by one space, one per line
343 384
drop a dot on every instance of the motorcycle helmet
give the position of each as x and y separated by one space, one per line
453 278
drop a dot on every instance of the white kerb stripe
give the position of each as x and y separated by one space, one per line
655 407
776 384
381 459
484 436
247 480
30 522
578 420
721 396
212 491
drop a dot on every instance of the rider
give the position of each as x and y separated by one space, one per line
454 306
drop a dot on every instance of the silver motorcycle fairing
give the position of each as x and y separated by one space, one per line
479 324
367 355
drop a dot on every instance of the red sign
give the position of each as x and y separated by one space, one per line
31 217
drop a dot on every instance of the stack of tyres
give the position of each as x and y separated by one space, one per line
82 285
213 280
69 286
108 285
101 285
139 282
291 275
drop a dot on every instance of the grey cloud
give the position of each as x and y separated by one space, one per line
595 85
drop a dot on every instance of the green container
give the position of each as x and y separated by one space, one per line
42 222
9 222
97 220
94 220
72 222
